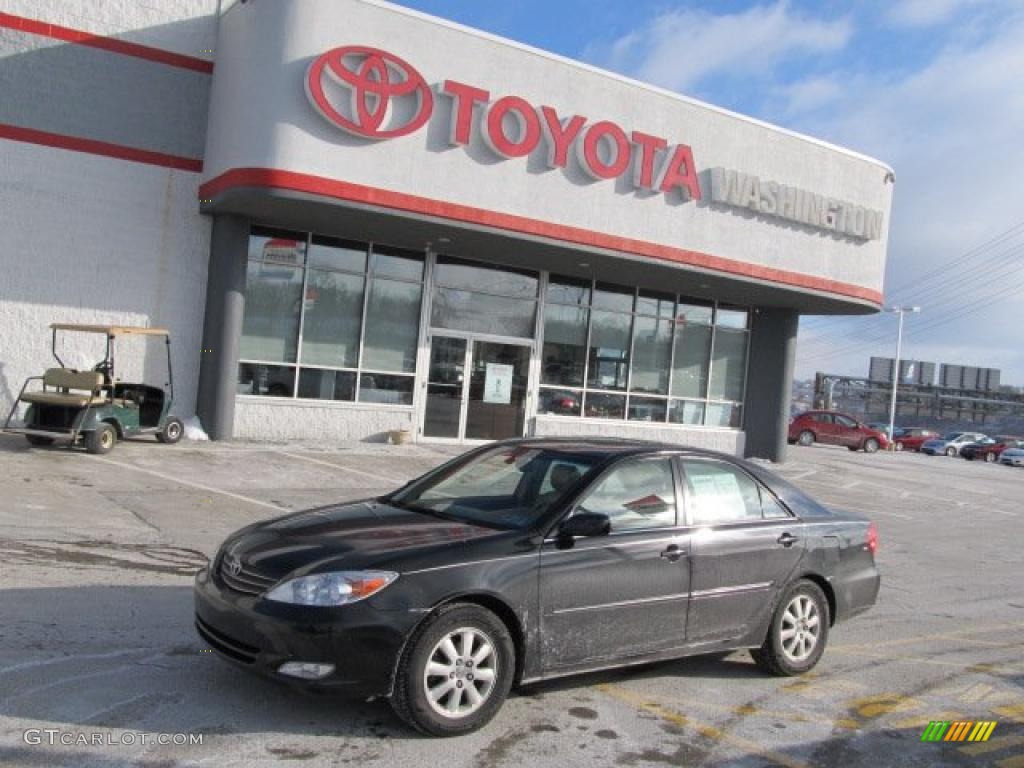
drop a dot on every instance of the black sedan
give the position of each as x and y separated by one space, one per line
531 559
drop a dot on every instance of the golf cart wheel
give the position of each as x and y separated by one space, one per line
951 452
101 440
39 440
172 431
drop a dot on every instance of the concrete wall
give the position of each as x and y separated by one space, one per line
97 239
263 418
724 440
261 118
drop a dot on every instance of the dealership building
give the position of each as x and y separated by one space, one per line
357 220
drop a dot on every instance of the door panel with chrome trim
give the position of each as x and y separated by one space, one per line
625 593
738 558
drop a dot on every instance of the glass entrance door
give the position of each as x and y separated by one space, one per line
476 388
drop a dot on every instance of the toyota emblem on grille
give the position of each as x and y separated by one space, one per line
232 565
369 92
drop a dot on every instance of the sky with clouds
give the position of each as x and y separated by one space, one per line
932 87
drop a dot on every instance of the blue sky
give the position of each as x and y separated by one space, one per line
932 87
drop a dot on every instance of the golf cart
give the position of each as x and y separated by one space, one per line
95 405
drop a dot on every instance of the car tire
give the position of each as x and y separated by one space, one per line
798 632
898 446
990 457
102 439
951 452
805 438
870 445
38 440
423 704
173 429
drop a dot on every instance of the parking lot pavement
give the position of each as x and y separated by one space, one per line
97 555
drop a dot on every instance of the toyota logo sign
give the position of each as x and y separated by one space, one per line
232 565
386 97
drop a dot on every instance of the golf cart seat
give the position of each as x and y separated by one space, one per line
59 382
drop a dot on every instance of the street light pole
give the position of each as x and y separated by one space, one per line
896 367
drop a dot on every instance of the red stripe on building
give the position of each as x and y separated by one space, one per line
103 148
113 45
399 201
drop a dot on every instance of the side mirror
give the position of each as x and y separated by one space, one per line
585 524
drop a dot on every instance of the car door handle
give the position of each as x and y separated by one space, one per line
787 539
673 552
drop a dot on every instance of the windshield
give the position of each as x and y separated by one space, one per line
507 487
952 436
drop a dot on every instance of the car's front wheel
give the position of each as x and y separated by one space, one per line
798 633
898 446
870 445
951 452
806 438
456 671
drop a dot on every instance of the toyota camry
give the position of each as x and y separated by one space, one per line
532 559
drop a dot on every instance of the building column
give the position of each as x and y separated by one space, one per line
770 382
222 326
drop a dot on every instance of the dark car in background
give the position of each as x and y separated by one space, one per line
834 428
991 449
533 559
912 438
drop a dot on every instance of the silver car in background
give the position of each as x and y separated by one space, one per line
1012 457
951 443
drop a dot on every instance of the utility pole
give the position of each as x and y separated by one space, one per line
896 366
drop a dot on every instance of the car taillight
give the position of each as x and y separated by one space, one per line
872 538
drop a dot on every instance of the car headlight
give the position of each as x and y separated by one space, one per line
331 589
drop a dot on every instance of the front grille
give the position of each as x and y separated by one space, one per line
233 649
247 581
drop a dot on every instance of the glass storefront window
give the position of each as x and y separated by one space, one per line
270 328
617 298
692 314
686 412
322 289
647 409
728 364
655 303
560 402
652 354
731 318
333 319
268 380
608 363
602 406
321 384
567 290
470 276
723 415
565 343
482 313
392 326
385 388
692 356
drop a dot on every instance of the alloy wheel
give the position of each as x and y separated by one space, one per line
461 672
800 628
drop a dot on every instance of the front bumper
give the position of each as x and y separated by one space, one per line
363 643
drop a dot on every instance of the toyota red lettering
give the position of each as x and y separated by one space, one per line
384 97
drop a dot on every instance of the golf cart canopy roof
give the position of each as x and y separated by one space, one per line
111 330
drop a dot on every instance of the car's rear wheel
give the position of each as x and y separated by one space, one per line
898 446
951 452
39 440
101 440
990 457
798 633
456 671
806 438
870 445
172 431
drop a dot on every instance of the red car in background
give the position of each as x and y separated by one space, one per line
911 438
834 428
990 452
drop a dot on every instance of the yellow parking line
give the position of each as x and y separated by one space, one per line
709 731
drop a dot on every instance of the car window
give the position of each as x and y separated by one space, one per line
771 507
824 418
719 493
560 475
638 494
843 421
